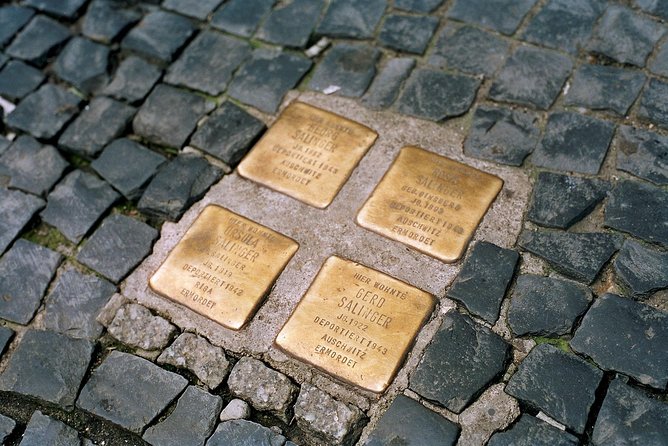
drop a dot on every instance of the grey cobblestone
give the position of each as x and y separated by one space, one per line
135 326
195 353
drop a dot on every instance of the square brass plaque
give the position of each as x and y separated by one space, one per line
308 154
223 266
356 323
430 202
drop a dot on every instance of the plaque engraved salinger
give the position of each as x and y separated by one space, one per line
223 266
356 323
430 202
308 154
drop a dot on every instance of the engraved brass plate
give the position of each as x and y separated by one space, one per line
223 266
430 202
308 154
356 323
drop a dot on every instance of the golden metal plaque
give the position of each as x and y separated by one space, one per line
356 323
223 266
430 202
308 154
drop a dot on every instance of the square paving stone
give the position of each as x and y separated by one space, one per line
39 40
385 88
424 6
462 359
407 33
626 336
32 167
244 433
118 234
291 24
76 203
349 66
18 79
101 121
128 166
503 16
44 430
435 95
228 133
532 76
49 366
83 63
654 103
21 297
106 20
351 18
573 142
250 84
12 19
133 79
17 210
44 112
655 7
199 9
530 431
170 129
659 64
129 391
241 17
159 35
642 268
61 8
502 135
136 326
207 64
7 425
625 36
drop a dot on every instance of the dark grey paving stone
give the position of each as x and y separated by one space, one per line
643 153
349 66
469 49
659 64
177 185
409 423
241 17
159 35
3 60
83 63
654 103
546 306
564 24
559 201
102 121
12 19
424 6
626 36
532 76
655 7
40 39
74 303
530 431
626 336
133 79
129 391
60 8
49 366
7 425
574 143
291 24
502 135
483 280
385 88
42 429
21 297
199 9
106 20
600 87
18 79
207 64
642 269
128 166
170 129
503 16
639 209
244 433
44 112
191 422
31 167
577 255
117 234
628 416
350 18
462 359
435 95
407 33
17 210
4 144
76 203
250 84
228 133
6 335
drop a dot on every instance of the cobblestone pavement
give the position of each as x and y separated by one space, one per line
123 119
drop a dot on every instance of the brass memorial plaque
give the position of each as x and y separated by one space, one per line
430 202
356 323
223 266
308 154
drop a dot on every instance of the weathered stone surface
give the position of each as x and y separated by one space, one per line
4 144
407 33
135 326
503 16
349 18
42 429
654 103
195 353
83 63
643 154
198 9
191 422
291 24
7 425
577 255
38 41
129 391
106 20
133 79
17 79
530 431
235 410
483 280
18 208
244 433
349 66
423 6
49 366
386 86
3 61
27 269
659 64
61 8
159 35
642 269
462 359
12 19
494 410
241 17
626 336
653 7
5 335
